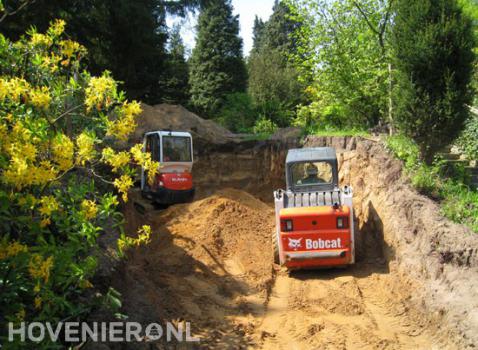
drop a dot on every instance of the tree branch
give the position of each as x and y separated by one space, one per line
7 13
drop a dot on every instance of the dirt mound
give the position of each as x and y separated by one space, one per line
176 117
209 263
285 134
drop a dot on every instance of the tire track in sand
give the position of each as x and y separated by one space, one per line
340 309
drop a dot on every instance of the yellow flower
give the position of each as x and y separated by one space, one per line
16 248
126 122
121 128
144 160
86 148
45 222
12 249
40 268
38 302
44 173
38 39
48 205
17 172
100 92
115 160
40 97
57 27
132 108
20 315
123 184
144 237
18 87
63 151
51 62
69 48
89 208
3 89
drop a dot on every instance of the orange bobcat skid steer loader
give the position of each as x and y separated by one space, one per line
314 217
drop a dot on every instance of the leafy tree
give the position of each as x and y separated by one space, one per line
279 29
257 33
274 86
216 65
342 55
125 37
273 80
433 56
174 80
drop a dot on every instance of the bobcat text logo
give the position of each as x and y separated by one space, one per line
179 179
295 243
323 243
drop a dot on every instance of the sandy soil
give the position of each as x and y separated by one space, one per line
349 309
209 263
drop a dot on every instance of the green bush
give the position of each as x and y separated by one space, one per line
458 201
468 140
238 113
460 204
404 149
264 126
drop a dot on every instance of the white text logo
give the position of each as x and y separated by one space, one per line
323 243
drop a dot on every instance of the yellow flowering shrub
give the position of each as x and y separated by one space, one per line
116 160
126 124
62 150
58 129
101 92
89 208
86 148
144 159
123 184
143 237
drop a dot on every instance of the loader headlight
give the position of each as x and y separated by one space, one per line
342 222
286 225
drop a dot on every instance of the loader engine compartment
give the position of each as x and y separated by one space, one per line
210 261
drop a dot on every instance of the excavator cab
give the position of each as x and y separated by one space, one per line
314 216
174 182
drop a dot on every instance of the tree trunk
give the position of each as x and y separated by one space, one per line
390 99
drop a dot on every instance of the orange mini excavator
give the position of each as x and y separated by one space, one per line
314 217
174 182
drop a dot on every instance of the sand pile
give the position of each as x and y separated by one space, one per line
209 263
176 117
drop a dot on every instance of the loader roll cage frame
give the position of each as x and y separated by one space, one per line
312 155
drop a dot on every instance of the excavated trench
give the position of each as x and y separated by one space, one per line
210 262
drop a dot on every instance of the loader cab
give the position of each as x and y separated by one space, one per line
312 169
174 182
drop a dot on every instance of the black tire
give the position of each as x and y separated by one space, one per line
275 248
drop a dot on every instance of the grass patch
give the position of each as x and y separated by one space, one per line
257 137
449 184
330 131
